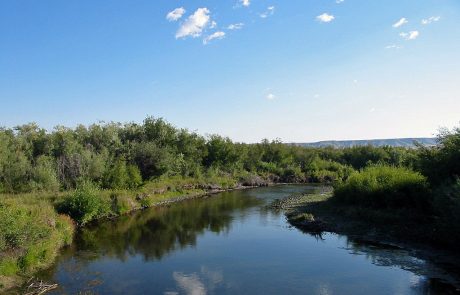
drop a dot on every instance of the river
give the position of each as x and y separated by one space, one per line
232 243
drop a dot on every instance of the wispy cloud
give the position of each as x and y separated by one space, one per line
412 35
400 22
430 20
270 11
393 46
325 18
339 1
213 25
216 35
176 14
194 24
237 26
271 96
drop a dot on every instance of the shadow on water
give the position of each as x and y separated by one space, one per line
428 278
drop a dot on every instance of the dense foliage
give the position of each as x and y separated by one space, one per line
385 187
123 156
431 193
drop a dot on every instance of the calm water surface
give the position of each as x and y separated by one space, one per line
231 244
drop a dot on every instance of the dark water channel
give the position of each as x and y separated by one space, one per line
232 243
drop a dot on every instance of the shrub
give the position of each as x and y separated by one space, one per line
44 174
293 174
30 235
327 171
384 187
121 204
85 203
134 176
117 175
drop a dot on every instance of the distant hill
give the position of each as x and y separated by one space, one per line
395 142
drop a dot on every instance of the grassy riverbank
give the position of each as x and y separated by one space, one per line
31 235
324 212
33 227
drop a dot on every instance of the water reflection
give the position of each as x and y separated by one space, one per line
197 284
427 278
155 232
232 244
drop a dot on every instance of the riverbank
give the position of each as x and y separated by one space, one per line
399 229
35 226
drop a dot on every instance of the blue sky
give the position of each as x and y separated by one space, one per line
296 70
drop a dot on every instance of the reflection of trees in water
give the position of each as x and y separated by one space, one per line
427 277
158 231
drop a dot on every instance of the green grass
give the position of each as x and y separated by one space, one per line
385 187
31 233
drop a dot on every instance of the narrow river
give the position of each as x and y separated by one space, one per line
232 243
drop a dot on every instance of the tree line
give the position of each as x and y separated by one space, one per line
123 156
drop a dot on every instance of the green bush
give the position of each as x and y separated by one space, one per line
122 203
385 187
293 174
44 174
30 235
85 203
134 176
320 170
117 175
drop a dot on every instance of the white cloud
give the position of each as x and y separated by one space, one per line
325 18
271 96
400 22
216 35
176 14
339 1
270 11
430 20
372 110
213 25
237 26
412 35
194 24
245 2
393 46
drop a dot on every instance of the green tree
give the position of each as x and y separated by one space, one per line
44 174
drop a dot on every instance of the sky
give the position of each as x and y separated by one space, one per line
297 70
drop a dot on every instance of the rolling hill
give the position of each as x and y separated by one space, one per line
395 142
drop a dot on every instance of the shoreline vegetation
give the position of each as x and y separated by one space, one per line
52 182
44 230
